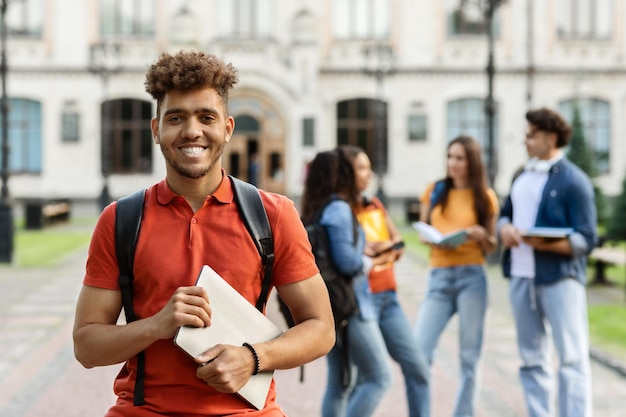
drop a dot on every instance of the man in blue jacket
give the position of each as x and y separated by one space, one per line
548 275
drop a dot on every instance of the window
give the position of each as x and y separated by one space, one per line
363 122
127 18
247 18
24 127
126 137
25 18
70 121
70 126
467 117
234 160
596 118
276 170
308 131
468 18
245 123
585 19
361 19
417 127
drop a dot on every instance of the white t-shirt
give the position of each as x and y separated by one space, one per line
526 195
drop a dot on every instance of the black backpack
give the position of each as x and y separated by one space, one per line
342 299
129 212
340 291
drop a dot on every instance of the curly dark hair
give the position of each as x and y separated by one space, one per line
550 121
330 172
188 70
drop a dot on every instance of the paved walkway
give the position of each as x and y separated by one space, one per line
39 376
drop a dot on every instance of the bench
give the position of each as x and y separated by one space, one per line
604 256
43 212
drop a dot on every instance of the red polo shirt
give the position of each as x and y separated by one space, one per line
174 243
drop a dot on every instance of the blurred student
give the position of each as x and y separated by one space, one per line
457 280
548 275
382 236
330 185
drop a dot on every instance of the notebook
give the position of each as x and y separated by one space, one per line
452 239
548 232
233 321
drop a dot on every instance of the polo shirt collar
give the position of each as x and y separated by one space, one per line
223 193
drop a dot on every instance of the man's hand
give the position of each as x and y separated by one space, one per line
188 306
510 236
555 245
534 241
226 368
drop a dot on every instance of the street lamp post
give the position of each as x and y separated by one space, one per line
104 61
6 215
490 105
379 63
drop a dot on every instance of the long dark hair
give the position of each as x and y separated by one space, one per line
348 187
330 172
476 177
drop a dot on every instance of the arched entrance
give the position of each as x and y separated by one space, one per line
256 152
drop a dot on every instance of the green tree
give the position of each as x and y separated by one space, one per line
617 224
582 155
579 152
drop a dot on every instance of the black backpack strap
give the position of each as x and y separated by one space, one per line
254 216
128 214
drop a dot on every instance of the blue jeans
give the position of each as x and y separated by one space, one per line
396 332
561 306
462 290
371 369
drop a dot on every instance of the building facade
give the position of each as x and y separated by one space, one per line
398 77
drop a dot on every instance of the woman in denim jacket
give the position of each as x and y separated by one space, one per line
330 175
382 235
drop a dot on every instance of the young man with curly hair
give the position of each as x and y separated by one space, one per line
548 274
191 219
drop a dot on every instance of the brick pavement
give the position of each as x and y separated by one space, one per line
40 377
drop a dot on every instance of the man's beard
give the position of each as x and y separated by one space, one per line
194 173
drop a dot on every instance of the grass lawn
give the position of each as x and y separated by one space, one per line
49 246
607 325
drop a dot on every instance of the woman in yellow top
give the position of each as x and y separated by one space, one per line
457 281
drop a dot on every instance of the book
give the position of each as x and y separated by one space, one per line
395 246
429 233
548 232
233 321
